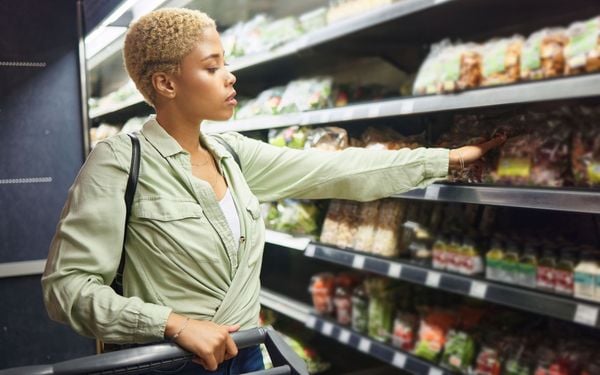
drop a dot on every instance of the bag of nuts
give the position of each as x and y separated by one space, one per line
542 55
501 61
583 50
461 68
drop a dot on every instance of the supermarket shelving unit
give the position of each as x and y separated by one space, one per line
467 19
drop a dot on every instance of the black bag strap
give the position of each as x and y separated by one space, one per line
134 172
229 149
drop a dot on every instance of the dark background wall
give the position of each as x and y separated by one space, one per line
41 150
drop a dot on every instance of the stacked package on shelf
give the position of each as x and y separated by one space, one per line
546 53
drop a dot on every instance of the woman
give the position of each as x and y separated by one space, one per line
195 236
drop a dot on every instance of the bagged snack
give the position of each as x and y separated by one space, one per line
360 309
585 149
488 362
542 55
405 329
348 224
460 67
306 94
389 139
314 363
292 137
429 77
501 61
365 234
328 139
331 222
296 217
343 305
314 19
280 31
249 36
432 334
391 215
516 159
321 288
583 50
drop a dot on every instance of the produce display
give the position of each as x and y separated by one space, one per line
544 54
452 332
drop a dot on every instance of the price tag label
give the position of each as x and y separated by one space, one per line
374 110
433 279
478 290
435 371
348 114
358 262
325 116
407 107
364 345
344 336
311 322
327 329
310 251
395 270
432 192
399 360
586 314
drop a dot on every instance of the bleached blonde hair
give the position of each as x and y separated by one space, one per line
158 42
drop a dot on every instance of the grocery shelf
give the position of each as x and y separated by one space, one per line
286 240
306 315
539 198
530 92
285 305
122 112
538 302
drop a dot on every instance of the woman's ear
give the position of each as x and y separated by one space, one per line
164 85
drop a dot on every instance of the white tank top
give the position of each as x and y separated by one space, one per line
231 215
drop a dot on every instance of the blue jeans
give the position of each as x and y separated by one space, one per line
248 360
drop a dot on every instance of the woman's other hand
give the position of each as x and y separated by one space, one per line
211 343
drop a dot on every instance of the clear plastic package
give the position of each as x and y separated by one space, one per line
387 234
583 49
329 138
365 234
542 54
500 61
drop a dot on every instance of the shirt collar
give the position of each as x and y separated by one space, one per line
168 146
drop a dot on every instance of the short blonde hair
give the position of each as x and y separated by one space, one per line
158 41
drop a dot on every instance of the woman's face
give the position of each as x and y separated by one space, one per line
204 85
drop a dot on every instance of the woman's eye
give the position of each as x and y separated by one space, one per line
212 70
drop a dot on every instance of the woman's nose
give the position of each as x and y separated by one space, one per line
231 79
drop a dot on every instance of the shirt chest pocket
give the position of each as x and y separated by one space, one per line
256 231
173 228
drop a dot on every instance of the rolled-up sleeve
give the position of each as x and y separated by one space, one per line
354 173
85 254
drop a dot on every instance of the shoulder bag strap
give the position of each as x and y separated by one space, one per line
134 171
229 149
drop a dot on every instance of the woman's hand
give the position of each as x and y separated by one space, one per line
210 342
467 154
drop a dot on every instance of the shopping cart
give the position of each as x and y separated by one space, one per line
142 359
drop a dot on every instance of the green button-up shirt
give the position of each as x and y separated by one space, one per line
180 253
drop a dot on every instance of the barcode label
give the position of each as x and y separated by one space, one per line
395 270
433 279
358 262
432 192
399 360
364 345
435 371
586 314
478 290
344 336
311 322
310 251
327 328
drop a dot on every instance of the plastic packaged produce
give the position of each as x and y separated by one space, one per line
322 288
546 268
381 308
281 31
528 267
314 363
268 101
585 154
432 334
564 271
488 362
542 55
551 157
428 79
292 137
459 351
510 263
365 234
391 215
327 139
295 217
405 329
343 305
389 139
342 9
514 167
461 67
583 50
331 222
246 108
348 224
586 273
360 309
249 36
314 19
103 131
501 61
306 94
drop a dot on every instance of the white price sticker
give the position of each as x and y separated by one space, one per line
478 290
364 345
399 360
344 336
327 329
433 279
407 107
348 114
310 251
395 270
374 110
325 116
432 192
586 314
358 262
311 322
435 371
